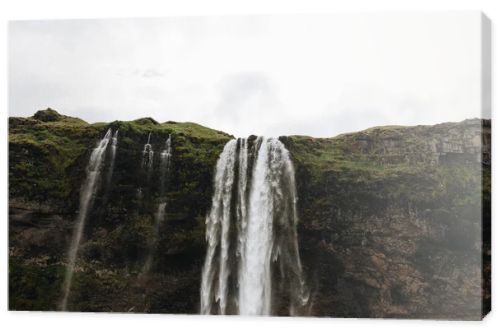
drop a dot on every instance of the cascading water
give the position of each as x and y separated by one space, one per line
88 191
165 160
252 239
147 165
160 213
147 154
114 144
255 277
217 221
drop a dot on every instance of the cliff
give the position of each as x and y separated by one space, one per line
390 218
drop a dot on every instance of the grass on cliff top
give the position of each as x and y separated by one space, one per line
47 151
59 138
63 140
60 125
349 153
381 152
66 138
145 125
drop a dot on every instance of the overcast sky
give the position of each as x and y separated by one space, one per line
269 75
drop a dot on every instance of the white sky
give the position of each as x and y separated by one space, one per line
268 75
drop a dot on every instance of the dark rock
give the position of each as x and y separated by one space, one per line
47 115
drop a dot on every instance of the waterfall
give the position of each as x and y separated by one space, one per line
147 165
217 220
165 160
147 154
160 213
252 238
255 277
114 144
87 193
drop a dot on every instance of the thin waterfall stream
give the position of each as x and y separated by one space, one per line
147 154
165 161
89 188
111 167
114 144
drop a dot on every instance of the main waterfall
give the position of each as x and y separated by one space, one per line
88 191
252 265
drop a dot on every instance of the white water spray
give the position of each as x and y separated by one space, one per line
147 154
114 145
88 191
264 217
217 221
255 277
165 159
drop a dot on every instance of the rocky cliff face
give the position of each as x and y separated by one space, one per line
390 218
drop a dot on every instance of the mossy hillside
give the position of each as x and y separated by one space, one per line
392 157
387 220
42 154
407 197
369 172
48 159
48 152
388 146
120 229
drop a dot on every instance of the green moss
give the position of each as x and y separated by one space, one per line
349 186
50 115
48 152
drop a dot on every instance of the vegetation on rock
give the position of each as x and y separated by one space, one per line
390 218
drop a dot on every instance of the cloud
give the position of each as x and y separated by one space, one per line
245 100
272 75
243 93
148 73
